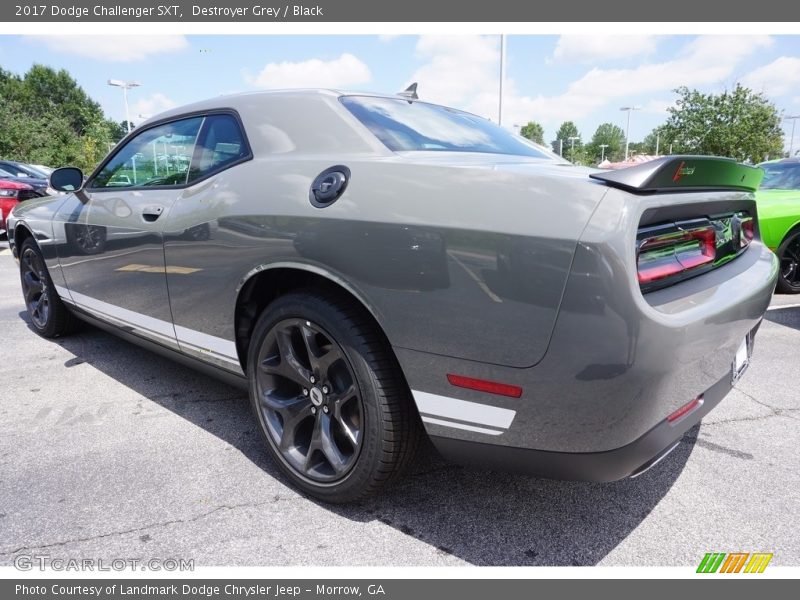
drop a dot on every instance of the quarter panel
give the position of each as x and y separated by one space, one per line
461 260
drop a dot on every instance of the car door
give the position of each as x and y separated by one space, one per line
200 258
115 269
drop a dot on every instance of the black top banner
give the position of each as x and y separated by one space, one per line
402 11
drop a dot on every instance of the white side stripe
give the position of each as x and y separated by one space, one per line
203 342
472 412
461 426
123 314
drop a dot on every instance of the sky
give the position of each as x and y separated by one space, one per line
549 79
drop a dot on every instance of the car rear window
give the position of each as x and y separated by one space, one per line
405 126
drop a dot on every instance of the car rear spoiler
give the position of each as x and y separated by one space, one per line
684 174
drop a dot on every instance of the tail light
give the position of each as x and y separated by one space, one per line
748 230
671 252
666 255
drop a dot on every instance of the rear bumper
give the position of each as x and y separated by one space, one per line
610 465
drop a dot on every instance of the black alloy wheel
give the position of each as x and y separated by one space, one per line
49 317
789 256
309 400
329 396
35 287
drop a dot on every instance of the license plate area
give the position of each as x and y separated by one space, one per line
742 359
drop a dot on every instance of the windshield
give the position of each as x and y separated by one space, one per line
781 176
417 126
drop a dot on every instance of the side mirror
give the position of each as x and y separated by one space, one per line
66 179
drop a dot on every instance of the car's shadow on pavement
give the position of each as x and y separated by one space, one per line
483 518
788 316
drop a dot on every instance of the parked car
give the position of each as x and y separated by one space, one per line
12 192
43 169
356 278
778 202
37 183
19 169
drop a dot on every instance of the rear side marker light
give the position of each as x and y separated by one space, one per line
685 410
482 385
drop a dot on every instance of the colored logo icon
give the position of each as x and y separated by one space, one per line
734 562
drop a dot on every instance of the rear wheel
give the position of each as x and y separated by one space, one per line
789 256
48 315
329 397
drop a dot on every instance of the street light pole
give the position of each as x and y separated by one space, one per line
793 119
572 139
125 85
603 152
629 110
502 79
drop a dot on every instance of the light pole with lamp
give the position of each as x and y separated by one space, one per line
125 85
572 139
629 110
502 79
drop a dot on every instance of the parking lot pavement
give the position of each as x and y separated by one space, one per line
110 451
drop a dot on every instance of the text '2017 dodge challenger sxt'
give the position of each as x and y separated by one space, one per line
376 267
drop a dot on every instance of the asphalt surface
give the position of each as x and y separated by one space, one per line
110 451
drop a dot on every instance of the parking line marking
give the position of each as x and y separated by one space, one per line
780 306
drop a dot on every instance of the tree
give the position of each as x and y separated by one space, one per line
568 130
656 141
610 135
741 124
47 118
533 131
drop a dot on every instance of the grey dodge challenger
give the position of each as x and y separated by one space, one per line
375 268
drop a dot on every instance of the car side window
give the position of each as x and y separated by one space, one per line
158 156
221 144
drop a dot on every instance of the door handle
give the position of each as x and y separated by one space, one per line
151 213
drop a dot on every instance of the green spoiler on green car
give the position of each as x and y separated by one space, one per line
778 203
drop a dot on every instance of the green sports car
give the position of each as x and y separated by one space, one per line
778 202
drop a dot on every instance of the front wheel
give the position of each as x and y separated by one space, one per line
789 256
329 397
48 315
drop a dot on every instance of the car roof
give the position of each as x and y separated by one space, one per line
237 99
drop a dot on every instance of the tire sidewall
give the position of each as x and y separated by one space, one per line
783 285
325 315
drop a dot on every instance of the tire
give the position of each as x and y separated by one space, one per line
789 257
48 314
329 397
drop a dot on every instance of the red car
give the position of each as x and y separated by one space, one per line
11 193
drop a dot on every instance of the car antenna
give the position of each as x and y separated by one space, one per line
410 93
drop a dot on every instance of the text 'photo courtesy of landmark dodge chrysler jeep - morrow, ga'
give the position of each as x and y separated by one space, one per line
376 268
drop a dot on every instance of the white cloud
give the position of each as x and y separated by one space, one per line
388 37
599 48
462 71
112 48
345 71
777 78
658 107
150 106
